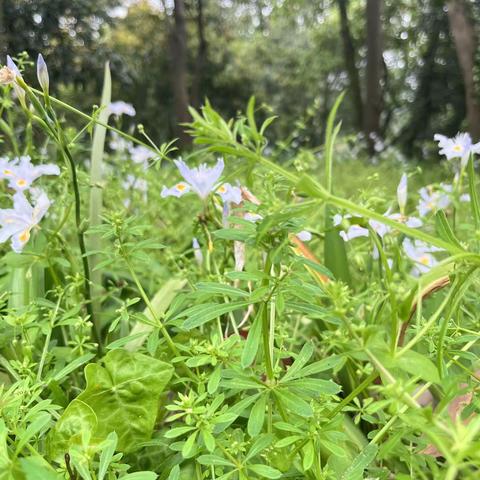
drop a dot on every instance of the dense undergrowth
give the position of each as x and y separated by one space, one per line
238 320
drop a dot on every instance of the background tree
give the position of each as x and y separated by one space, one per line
179 72
373 100
350 62
466 45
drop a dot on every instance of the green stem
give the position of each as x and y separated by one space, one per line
83 250
159 324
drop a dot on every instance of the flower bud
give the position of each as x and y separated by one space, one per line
42 73
402 193
19 91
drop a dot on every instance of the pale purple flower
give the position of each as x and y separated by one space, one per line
465 197
433 200
118 143
412 222
338 219
461 146
135 183
121 108
141 155
252 217
304 236
202 180
354 231
230 194
21 173
402 191
421 254
42 73
197 252
17 222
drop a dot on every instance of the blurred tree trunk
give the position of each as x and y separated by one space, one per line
201 60
463 33
423 105
3 32
180 72
261 19
373 101
349 54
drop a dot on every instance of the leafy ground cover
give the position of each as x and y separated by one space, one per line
240 313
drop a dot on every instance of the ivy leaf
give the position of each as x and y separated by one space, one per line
124 394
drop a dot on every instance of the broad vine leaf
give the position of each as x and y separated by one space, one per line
121 397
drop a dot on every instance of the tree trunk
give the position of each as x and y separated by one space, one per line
352 71
201 61
180 73
423 106
3 33
465 43
373 101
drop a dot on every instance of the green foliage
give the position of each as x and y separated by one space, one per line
121 397
233 352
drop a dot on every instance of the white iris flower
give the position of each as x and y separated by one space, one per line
421 254
121 108
202 180
21 173
17 222
461 146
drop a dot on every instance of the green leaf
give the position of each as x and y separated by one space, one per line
160 302
189 446
36 468
417 364
214 460
260 444
293 403
444 229
77 419
325 364
178 432
107 454
474 202
73 365
302 358
209 440
221 289
257 416
335 257
96 190
124 394
308 455
174 473
360 463
201 314
214 380
38 424
253 340
265 471
140 476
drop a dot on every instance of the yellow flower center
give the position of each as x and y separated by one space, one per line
424 260
221 189
6 171
457 148
181 186
22 182
24 236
